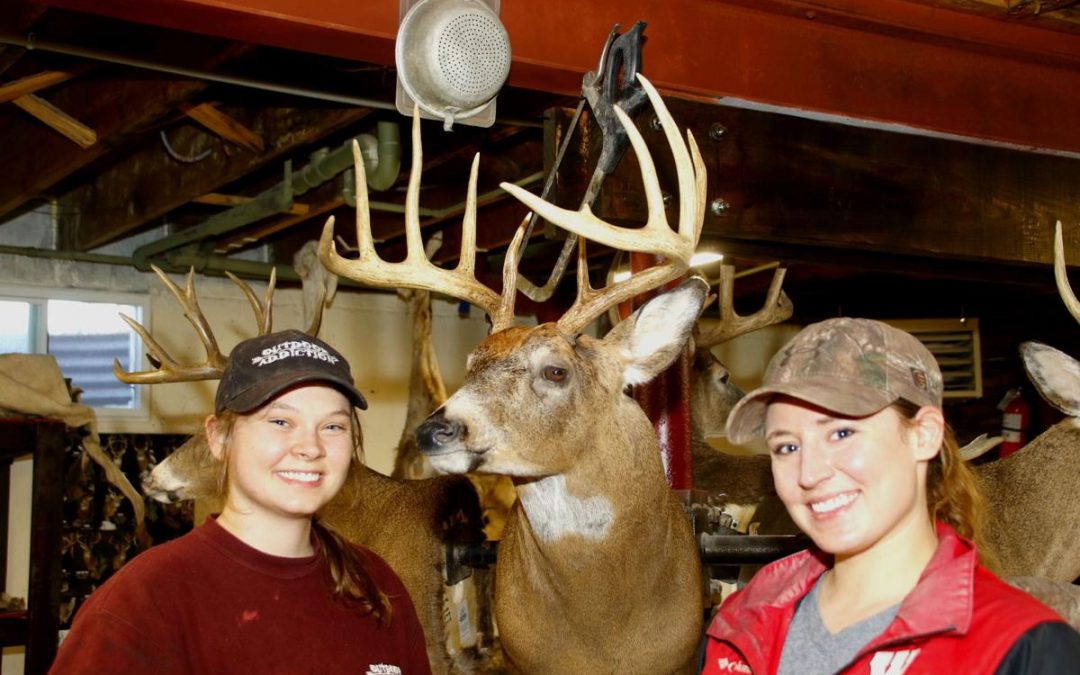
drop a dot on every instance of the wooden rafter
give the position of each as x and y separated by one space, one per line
224 126
58 120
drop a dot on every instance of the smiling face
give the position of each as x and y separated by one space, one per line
852 485
290 457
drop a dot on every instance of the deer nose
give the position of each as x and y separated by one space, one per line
437 432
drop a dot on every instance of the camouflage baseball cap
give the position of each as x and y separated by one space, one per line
854 367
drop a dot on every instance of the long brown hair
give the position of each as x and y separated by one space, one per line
952 491
353 585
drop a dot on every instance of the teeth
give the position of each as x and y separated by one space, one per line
304 476
834 503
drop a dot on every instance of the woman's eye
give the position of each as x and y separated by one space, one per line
843 433
785 449
279 422
335 427
554 374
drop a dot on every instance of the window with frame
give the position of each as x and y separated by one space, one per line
83 331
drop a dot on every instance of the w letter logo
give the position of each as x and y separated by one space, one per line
892 663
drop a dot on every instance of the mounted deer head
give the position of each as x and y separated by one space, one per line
547 406
741 479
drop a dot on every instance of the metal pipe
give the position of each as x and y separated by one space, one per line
31 42
382 155
323 166
76 256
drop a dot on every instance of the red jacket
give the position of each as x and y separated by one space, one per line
959 618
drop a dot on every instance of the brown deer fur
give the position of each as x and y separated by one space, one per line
597 550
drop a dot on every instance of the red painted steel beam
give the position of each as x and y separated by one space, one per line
887 61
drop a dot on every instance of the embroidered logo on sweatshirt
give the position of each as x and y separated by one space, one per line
383 669
726 665
892 663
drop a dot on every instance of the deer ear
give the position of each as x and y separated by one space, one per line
654 335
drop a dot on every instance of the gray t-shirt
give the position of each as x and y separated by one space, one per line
810 649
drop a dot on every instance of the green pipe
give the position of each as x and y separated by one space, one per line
382 155
324 165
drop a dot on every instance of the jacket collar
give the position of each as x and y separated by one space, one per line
942 600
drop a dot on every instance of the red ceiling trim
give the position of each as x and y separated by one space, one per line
892 61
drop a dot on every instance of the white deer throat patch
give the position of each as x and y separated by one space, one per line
554 513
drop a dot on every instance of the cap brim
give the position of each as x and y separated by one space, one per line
747 419
254 397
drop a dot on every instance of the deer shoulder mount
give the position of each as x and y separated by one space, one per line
1031 493
596 542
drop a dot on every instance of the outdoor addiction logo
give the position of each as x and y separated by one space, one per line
383 669
292 348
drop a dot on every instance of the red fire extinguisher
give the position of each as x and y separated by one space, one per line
1016 414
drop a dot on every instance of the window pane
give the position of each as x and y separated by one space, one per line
84 338
16 327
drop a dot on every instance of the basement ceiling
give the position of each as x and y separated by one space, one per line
902 158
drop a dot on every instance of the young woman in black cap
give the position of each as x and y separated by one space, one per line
264 586
850 412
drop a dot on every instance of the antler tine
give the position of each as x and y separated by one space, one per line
263 309
167 368
777 308
416 271
1061 275
656 237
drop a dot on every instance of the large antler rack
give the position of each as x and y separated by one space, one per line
167 368
656 237
417 271
709 332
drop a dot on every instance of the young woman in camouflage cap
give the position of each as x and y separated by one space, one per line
850 412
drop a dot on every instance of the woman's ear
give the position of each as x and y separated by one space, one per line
215 437
929 427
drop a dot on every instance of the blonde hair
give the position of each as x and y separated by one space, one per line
953 495
353 584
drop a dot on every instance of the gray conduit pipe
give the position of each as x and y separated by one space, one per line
382 155
385 164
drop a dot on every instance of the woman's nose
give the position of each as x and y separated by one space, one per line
814 466
308 446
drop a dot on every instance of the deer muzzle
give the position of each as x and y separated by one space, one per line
438 434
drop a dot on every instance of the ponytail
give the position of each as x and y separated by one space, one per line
353 586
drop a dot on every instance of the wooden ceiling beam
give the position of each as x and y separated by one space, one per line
878 61
778 180
150 182
114 108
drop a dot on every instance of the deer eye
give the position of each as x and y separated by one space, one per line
554 374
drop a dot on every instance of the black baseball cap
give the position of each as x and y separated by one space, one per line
261 367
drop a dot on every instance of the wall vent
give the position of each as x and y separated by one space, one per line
955 345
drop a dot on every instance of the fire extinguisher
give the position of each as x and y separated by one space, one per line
1015 417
